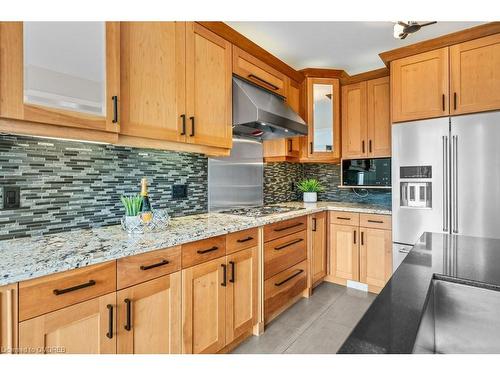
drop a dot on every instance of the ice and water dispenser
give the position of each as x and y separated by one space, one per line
416 186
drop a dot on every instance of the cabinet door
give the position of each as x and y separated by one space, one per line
204 307
153 93
241 295
323 119
293 95
419 86
85 328
209 87
318 238
475 75
61 73
149 317
354 131
8 318
344 252
375 258
378 118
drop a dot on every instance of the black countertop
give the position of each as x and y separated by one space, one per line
391 323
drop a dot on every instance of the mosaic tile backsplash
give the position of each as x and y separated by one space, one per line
72 185
280 179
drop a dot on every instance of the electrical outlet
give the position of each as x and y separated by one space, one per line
11 197
179 191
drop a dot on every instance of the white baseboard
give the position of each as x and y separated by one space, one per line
357 285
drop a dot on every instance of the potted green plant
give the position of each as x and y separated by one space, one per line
132 205
310 187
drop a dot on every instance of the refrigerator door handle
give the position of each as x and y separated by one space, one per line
445 184
454 181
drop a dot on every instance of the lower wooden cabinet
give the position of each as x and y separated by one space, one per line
218 301
8 318
375 263
361 251
84 328
318 247
149 317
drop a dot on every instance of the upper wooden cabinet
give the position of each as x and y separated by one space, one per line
258 72
176 83
153 79
323 119
420 86
475 75
8 318
61 73
366 126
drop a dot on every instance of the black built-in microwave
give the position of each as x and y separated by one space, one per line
366 172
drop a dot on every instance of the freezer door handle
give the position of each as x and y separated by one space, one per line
445 184
454 182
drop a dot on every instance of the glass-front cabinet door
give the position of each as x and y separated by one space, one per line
61 73
323 100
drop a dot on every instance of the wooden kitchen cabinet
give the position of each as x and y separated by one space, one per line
344 253
149 317
378 118
153 79
475 75
8 318
420 86
375 263
85 328
219 301
241 293
53 86
354 121
208 87
318 260
323 119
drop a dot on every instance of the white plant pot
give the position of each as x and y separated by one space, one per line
310 197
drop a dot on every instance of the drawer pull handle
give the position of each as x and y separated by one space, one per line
376 221
288 244
128 325
289 278
109 334
233 270
274 87
343 218
288 227
73 288
249 238
224 275
207 250
159 264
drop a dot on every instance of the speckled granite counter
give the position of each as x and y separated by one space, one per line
32 257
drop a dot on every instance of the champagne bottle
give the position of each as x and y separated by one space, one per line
146 213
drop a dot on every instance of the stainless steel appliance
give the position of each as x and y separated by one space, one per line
260 211
260 114
446 177
237 180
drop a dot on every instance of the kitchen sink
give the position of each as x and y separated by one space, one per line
459 318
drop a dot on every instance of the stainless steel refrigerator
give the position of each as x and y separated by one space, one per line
446 178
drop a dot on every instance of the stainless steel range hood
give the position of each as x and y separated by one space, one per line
259 114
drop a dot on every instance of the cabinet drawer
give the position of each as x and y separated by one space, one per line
201 251
284 228
254 70
241 240
284 252
344 218
375 221
53 292
143 267
280 289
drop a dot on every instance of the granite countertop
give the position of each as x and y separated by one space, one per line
391 323
31 257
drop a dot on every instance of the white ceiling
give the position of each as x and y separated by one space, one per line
352 46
